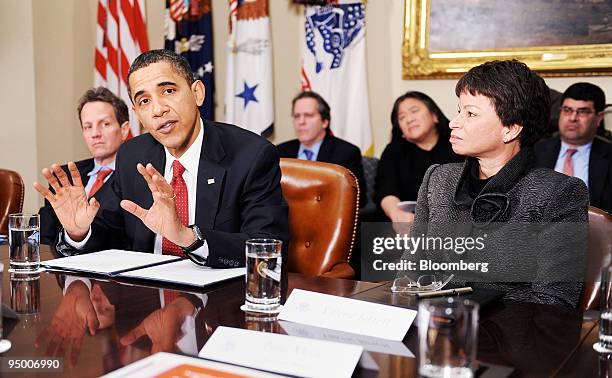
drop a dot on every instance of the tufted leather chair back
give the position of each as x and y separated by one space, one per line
598 256
323 203
11 196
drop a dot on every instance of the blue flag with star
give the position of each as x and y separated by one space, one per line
189 33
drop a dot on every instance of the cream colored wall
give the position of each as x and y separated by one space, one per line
50 64
18 145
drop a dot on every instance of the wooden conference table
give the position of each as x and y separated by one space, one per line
533 340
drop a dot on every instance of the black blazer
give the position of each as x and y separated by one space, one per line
49 224
333 150
244 201
600 168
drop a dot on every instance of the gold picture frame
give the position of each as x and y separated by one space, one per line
559 60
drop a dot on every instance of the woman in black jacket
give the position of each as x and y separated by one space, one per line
419 138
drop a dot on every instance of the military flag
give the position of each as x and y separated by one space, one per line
188 32
249 101
334 65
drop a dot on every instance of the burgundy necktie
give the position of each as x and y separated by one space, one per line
568 164
182 207
102 174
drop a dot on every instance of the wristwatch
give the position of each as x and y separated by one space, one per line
199 242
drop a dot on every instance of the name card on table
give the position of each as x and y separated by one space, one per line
347 315
281 353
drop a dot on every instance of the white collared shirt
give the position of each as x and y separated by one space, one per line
191 161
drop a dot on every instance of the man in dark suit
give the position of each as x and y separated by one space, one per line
189 187
577 150
311 118
105 124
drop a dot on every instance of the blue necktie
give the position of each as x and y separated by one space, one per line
309 154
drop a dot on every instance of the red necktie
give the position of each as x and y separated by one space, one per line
568 164
182 207
102 174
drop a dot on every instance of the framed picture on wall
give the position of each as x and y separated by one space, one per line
444 38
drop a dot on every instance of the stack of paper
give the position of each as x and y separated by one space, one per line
148 266
110 262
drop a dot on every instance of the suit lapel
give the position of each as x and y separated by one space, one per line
599 161
553 154
211 177
157 157
326 151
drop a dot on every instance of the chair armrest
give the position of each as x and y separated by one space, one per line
340 270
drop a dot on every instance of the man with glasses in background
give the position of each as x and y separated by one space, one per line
578 150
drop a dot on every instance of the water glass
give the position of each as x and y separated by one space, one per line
447 337
263 277
25 293
605 324
24 243
4 343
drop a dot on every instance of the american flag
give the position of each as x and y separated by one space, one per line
177 9
121 35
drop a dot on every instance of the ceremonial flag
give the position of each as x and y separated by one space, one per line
188 32
249 99
334 65
121 35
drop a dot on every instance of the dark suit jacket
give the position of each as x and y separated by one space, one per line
600 168
49 224
244 202
333 150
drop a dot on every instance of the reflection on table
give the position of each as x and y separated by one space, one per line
100 325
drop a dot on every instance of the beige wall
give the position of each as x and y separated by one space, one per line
18 145
50 64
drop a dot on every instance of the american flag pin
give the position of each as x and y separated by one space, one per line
211 181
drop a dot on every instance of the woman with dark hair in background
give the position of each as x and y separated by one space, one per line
419 138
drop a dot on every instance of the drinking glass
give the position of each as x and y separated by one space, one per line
24 243
263 276
447 337
25 293
604 345
4 343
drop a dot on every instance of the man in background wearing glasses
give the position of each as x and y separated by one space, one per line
577 150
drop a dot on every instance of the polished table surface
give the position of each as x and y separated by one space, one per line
130 324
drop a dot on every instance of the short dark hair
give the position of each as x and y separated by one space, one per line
322 105
178 63
105 95
518 94
441 126
586 92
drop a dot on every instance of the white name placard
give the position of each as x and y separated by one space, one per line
281 353
347 315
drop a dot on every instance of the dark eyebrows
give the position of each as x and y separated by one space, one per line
166 83
162 84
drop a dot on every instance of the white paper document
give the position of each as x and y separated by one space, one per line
370 344
169 365
110 262
347 315
185 272
281 353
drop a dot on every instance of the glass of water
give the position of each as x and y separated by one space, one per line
4 343
24 243
447 337
604 345
263 276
